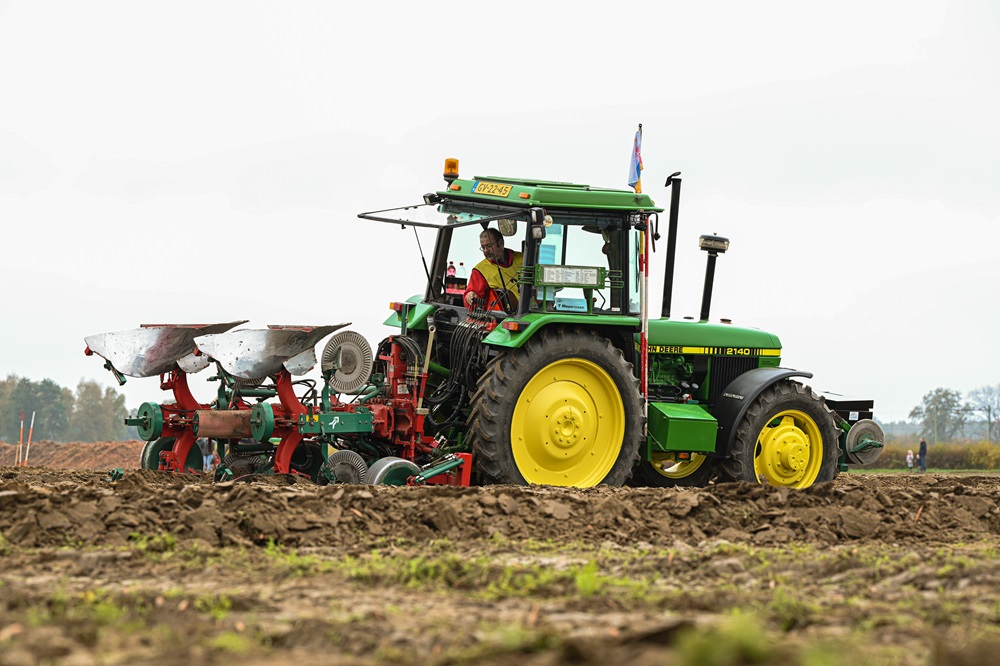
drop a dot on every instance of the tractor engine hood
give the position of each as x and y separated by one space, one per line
670 336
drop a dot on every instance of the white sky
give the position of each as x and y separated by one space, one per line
194 162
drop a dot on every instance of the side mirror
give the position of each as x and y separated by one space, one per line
507 227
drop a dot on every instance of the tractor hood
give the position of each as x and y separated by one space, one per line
670 336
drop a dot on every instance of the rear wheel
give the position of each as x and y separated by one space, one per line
665 471
787 438
563 410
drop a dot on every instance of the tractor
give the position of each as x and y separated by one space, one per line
542 367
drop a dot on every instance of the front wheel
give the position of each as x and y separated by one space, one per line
788 438
563 410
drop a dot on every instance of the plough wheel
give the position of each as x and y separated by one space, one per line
150 456
308 459
787 438
563 410
665 471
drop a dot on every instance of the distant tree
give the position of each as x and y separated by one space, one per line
986 399
942 414
97 415
10 415
50 403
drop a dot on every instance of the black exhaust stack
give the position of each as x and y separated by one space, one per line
714 245
668 278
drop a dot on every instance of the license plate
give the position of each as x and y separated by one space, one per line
492 189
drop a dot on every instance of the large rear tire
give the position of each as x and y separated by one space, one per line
665 471
788 438
563 410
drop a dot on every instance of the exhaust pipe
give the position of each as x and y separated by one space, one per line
668 277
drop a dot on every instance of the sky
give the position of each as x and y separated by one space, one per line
201 162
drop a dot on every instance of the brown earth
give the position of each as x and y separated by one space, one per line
171 569
75 455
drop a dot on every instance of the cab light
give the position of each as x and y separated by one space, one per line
450 169
455 187
524 195
514 326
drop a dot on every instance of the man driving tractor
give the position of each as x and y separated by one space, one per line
497 272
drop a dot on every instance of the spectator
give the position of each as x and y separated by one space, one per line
208 453
909 460
922 454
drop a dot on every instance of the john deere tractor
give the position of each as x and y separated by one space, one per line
541 367
559 377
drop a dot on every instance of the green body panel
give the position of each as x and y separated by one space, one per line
417 318
330 423
674 332
680 427
501 337
551 194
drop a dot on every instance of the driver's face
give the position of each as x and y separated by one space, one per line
492 250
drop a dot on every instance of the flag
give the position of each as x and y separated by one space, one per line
635 166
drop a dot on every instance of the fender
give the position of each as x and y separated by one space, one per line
734 402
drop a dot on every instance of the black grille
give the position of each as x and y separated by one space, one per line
725 369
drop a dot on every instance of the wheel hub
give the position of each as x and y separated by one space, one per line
790 449
567 425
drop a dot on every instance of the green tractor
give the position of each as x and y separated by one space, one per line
544 363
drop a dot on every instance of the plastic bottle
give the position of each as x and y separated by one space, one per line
451 269
460 271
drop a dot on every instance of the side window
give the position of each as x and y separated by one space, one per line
581 247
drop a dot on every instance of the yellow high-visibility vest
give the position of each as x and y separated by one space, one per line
510 274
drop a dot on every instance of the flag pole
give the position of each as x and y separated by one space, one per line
31 429
20 440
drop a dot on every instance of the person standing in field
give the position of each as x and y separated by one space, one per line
922 454
208 453
909 460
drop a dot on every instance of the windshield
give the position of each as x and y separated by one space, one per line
585 263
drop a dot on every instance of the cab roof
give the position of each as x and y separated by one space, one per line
547 194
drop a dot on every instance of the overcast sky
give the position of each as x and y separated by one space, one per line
195 162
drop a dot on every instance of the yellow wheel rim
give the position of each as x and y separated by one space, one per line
667 465
789 450
568 425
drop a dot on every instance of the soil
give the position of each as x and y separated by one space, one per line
173 569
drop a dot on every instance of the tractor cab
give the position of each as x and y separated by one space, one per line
576 247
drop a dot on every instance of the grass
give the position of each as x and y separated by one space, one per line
773 605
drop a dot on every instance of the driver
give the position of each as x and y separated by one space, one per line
498 271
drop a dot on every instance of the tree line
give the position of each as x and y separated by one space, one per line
88 414
945 415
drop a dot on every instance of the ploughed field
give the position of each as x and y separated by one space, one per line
173 569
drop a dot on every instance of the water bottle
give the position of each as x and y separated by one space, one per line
460 276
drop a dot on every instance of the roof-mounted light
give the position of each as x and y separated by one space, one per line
450 169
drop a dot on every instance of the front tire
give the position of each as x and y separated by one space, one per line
563 410
787 438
